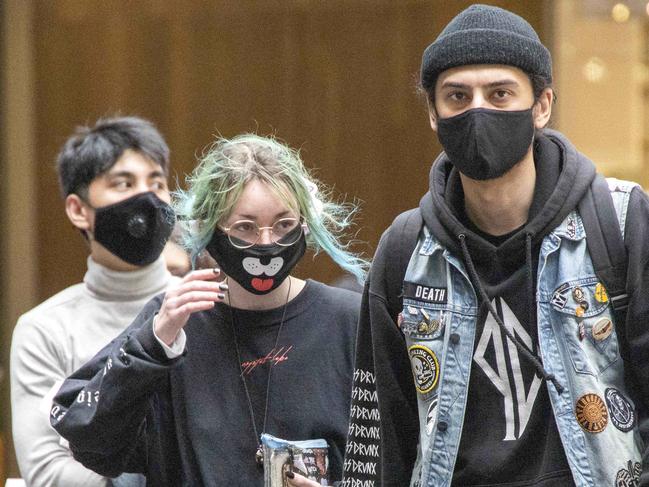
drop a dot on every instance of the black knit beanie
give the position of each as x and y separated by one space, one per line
483 34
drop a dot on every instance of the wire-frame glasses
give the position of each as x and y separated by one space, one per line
244 234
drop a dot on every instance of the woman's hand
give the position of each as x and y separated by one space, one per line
197 291
298 481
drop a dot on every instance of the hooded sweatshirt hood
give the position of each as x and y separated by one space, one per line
563 176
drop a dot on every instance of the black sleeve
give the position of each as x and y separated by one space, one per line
384 426
637 323
102 408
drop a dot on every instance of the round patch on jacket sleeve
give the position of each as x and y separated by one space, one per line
425 368
602 329
591 413
620 409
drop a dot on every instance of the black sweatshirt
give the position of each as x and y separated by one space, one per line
186 421
508 406
531 455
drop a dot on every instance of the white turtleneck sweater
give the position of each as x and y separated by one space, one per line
54 339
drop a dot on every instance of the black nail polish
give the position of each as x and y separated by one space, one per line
220 295
216 271
223 286
290 474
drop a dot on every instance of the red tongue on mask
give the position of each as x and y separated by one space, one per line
262 284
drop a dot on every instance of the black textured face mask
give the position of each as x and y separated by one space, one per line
260 268
484 143
135 229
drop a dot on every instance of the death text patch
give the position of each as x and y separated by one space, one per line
419 292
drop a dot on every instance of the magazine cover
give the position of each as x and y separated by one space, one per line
308 458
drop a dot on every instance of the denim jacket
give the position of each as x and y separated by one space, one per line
595 415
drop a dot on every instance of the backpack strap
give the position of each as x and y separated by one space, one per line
606 244
607 251
402 240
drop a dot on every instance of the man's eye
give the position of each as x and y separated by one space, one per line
501 94
122 184
457 96
157 185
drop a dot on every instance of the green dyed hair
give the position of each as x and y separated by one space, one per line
216 184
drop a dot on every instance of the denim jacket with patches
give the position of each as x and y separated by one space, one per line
440 334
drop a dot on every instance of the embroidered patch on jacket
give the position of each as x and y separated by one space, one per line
431 414
419 292
629 476
559 297
591 413
620 409
572 227
425 368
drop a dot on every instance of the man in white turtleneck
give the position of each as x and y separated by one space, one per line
114 180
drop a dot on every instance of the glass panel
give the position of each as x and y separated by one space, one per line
601 66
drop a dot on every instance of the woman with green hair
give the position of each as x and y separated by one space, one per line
235 352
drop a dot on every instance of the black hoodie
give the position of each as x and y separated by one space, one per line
521 447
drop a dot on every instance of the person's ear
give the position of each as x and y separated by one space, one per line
432 116
543 108
78 212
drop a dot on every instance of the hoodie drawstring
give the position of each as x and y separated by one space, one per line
531 304
485 298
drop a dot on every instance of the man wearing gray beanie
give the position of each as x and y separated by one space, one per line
504 336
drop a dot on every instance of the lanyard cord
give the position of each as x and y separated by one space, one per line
259 453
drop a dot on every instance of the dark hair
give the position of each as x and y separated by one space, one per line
539 84
91 152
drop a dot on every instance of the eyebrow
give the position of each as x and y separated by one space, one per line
493 84
277 217
129 174
120 174
157 174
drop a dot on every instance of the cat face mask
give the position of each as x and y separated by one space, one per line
260 268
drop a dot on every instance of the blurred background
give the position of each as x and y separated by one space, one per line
333 77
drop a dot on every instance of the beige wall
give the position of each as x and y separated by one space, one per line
18 261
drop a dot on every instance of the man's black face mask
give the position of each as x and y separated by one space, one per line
485 144
135 229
